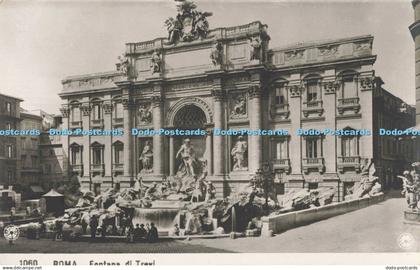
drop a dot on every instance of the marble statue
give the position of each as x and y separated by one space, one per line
155 62
239 154
411 188
145 114
146 157
239 108
216 55
256 45
123 65
189 162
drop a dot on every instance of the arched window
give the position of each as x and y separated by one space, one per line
97 153
118 152
349 144
76 154
118 110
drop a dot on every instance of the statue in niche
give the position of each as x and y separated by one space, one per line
146 157
124 64
239 154
145 114
155 62
189 165
216 54
239 109
256 45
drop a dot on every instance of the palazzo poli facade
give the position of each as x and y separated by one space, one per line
230 78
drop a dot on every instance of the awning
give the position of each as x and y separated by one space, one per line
53 193
37 189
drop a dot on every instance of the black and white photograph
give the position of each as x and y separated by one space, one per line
198 126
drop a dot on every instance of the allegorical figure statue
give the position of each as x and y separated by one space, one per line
155 62
216 55
411 188
255 48
240 107
145 114
123 65
146 157
189 162
239 154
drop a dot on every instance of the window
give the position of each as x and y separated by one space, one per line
312 91
280 149
9 107
313 147
34 161
75 114
280 98
349 88
9 151
76 154
118 110
96 112
9 177
9 126
349 146
97 154
118 153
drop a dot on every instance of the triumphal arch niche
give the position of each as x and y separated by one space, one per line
197 78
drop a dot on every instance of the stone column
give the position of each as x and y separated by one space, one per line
255 123
127 137
209 152
85 110
171 156
65 112
329 105
295 92
218 141
158 143
108 157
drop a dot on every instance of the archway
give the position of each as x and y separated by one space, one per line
190 117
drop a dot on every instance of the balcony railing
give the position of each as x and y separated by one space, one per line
97 123
118 121
351 162
77 168
314 106
118 167
282 164
280 110
313 163
96 169
76 124
348 104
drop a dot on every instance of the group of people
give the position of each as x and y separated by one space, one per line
140 233
411 186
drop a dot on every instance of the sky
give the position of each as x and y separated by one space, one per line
42 42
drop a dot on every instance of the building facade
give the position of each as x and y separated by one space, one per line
415 32
9 148
230 79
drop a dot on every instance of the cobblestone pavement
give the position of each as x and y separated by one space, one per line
23 245
376 228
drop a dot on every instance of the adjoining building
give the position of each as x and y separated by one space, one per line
9 148
229 78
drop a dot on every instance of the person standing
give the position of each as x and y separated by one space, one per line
153 234
93 226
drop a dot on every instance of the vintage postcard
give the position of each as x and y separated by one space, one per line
133 130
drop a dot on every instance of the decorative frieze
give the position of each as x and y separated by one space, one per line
294 55
330 87
328 50
295 90
367 83
65 111
254 91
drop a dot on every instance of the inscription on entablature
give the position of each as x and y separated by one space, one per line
189 85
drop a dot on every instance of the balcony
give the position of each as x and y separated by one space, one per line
75 124
348 104
96 169
97 123
282 165
313 163
281 110
118 168
312 107
352 162
77 168
116 122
